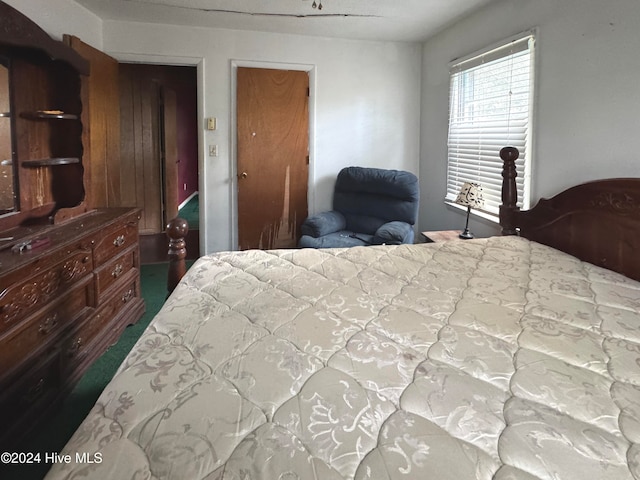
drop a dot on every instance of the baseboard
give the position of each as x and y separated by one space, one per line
187 200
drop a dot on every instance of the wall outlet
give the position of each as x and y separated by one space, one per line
213 150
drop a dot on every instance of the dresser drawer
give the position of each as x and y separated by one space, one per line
41 330
99 326
113 271
115 241
127 293
36 387
25 297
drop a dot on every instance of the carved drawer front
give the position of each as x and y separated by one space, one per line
114 242
34 388
25 297
81 342
124 296
43 328
114 271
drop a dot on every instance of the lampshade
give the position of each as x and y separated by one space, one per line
470 195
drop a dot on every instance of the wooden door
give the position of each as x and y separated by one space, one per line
140 147
101 126
273 149
149 148
169 146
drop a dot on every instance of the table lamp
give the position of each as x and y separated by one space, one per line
470 196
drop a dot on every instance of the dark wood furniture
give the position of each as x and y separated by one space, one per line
177 231
597 222
69 272
61 305
437 236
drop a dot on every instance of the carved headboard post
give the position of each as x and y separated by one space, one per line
508 209
177 230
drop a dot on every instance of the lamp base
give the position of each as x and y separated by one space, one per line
466 235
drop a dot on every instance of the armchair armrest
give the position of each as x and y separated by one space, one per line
393 233
323 223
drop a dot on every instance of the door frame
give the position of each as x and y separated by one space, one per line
197 62
311 70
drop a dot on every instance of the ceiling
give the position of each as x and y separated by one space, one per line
393 20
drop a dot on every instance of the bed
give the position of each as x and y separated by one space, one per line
501 358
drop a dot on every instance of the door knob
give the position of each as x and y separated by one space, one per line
244 175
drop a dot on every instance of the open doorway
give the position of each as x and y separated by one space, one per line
130 157
159 151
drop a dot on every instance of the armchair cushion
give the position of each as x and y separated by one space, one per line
323 223
370 206
341 239
366 194
393 233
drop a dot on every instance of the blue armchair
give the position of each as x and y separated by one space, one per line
371 206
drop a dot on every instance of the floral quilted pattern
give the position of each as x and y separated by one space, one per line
494 358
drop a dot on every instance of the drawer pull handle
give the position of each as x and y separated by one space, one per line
128 295
49 324
74 347
119 241
117 271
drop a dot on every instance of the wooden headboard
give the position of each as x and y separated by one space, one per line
598 222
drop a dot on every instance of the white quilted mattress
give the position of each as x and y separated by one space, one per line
486 359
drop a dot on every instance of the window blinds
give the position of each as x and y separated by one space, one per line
490 96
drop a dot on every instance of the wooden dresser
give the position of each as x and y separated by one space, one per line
61 305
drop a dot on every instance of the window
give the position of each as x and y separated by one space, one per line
490 108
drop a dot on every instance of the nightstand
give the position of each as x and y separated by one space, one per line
441 236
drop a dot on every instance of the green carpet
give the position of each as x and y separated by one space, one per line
54 434
191 213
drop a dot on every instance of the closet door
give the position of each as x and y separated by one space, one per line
273 156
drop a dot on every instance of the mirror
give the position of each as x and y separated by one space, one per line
7 192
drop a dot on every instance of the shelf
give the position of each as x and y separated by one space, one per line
50 162
49 115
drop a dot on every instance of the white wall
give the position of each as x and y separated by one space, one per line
57 17
366 103
588 95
